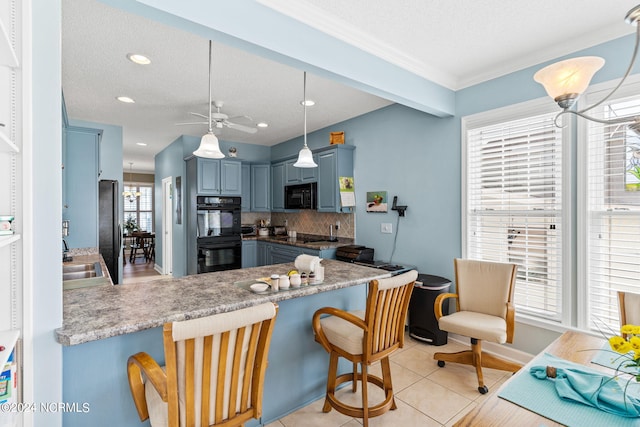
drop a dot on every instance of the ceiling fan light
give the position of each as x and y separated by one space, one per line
305 159
209 147
570 78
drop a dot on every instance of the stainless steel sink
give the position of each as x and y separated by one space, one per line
81 271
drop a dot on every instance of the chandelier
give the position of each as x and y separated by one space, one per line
566 80
128 195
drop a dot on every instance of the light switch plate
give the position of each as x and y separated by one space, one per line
386 227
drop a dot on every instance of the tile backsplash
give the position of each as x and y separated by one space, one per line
307 222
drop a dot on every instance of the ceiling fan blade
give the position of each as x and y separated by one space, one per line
200 115
241 118
192 123
242 128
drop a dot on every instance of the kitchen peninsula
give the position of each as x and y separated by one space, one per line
104 325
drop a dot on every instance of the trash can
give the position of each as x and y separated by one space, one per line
423 325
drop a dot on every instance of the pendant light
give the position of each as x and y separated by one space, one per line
209 146
128 195
305 157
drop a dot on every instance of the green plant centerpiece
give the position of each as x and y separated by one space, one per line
131 226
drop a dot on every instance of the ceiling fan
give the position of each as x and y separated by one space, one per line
220 120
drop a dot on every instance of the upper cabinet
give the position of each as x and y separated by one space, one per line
260 188
218 177
277 187
296 175
333 162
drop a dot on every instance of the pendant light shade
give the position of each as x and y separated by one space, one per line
305 157
209 146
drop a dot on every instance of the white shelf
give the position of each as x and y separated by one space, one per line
7 240
7 54
8 340
7 145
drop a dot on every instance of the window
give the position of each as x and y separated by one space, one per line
611 224
513 208
140 209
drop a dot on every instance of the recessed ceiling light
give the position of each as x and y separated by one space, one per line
263 125
125 99
138 59
142 144
308 102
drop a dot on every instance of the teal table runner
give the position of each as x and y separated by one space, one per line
540 396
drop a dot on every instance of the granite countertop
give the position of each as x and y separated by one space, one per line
100 312
310 241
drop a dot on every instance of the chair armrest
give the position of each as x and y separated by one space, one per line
138 364
437 305
317 328
511 321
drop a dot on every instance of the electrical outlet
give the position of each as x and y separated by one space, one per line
337 225
386 227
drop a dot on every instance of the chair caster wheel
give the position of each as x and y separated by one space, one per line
483 389
441 363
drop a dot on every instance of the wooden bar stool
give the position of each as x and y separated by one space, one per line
214 374
365 337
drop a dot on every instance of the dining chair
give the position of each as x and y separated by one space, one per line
365 337
629 306
214 373
484 311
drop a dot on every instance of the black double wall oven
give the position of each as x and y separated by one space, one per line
219 240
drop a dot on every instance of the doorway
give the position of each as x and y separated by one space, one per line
167 225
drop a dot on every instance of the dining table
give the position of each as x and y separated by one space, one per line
572 346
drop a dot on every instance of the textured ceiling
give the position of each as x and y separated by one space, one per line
455 43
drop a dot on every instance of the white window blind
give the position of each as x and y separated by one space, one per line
514 206
613 211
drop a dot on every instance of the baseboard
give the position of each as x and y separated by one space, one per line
500 350
157 268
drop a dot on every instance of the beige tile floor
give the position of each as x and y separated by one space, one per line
426 395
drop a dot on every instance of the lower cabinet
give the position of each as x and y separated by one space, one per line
249 253
262 250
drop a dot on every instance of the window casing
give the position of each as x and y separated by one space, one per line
514 207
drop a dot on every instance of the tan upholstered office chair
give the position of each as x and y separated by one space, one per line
484 311
215 368
629 305
364 337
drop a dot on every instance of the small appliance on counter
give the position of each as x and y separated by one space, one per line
362 255
248 230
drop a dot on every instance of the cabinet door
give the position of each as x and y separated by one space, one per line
230 178
208 176
328 181
281 254
81 180
245 204
309 174
260 188
293 174
262 249
249 253
277 187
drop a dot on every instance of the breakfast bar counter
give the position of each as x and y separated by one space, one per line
104 325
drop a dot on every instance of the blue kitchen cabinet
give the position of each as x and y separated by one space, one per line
280 254
219 177
333 162
261 188
294 175
245 204
277 187
80 185
249 253
262 250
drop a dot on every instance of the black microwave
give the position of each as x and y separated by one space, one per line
301 196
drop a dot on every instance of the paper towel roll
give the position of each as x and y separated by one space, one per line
307 263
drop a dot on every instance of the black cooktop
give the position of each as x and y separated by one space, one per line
384 265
